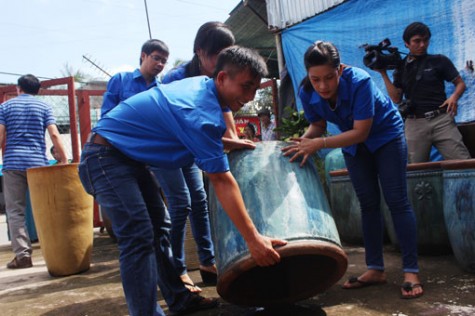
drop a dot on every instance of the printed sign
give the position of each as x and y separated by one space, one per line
242 121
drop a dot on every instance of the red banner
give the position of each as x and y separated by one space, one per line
242 121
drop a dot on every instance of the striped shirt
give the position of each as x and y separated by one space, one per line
25 119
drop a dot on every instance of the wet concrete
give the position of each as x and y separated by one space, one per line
98 292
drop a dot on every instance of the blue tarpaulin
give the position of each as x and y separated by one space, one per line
357 22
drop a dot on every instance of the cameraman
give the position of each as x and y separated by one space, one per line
430 116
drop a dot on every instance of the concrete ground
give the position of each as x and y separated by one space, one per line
98 292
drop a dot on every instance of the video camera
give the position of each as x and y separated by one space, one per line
376 58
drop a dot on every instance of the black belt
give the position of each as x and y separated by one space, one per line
95 138
428 115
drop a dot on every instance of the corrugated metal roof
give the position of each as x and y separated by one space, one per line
284 13
253 23
248 21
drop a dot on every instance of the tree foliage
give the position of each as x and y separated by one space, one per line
78 75
293 124
263 100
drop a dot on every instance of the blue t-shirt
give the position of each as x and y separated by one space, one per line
429 91
122 86
179 73
169 126
25 119
358 99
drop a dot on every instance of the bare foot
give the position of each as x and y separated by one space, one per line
189 284
412 287
370 277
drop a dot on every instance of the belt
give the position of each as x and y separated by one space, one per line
428 115
95 138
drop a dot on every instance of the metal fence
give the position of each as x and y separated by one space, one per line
78 110
75 111
66 102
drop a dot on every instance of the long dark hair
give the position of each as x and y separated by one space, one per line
318 54
211 38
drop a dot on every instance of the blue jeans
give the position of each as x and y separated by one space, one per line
129 193
184 190
388 165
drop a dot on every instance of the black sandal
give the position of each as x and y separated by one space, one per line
408 287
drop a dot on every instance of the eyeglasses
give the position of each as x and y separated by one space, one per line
160 59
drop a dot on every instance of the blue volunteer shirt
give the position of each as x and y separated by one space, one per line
25 119
169 126
122 86
358 99
177 73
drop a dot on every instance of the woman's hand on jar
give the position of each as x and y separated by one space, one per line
301 147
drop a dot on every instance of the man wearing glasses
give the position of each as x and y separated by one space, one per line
153 57
123 85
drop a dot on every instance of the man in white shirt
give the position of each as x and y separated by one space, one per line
267 126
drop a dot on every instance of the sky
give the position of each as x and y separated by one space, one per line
43 37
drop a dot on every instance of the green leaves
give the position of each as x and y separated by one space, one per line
293 124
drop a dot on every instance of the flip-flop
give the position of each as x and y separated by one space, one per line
408 287
358 284
192 287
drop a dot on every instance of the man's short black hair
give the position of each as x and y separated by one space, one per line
154 45
29 84
236 59
416 28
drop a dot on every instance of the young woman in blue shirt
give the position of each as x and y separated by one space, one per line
374 150
184 187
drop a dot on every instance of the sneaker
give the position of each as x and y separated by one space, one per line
21 263
197 303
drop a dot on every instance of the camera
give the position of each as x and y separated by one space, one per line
381 56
